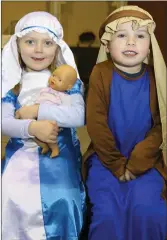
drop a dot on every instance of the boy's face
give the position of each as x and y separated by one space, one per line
37 50
129 48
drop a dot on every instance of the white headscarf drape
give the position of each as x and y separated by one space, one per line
35 21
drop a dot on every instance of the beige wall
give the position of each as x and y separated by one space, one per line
76 16
12 11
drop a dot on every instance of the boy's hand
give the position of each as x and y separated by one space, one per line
127 176
27 112
44 130
122 178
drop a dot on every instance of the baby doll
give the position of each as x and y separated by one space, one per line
62 79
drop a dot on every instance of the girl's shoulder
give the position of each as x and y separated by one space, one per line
16 89
76 89
11 96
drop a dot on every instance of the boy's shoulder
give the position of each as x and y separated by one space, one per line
104 67
104 64
151 71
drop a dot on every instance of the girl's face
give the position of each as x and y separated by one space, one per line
37 50
129 48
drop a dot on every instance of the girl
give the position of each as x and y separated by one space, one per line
42 198
125 167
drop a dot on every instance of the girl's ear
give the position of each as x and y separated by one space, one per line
18 46
53 64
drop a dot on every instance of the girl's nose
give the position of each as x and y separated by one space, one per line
38 47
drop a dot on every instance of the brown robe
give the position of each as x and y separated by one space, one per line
145 155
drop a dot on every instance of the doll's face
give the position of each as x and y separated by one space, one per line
37 50
62 79
129 48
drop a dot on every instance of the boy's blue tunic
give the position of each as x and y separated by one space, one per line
132 210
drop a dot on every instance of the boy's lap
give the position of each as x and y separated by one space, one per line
144 190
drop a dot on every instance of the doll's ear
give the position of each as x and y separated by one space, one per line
69 86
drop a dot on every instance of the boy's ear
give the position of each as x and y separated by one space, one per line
18 48
107 49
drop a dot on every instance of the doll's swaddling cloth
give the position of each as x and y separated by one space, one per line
31 85
50 96
34 90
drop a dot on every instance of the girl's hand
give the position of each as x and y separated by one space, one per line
127 176
27 112
44 130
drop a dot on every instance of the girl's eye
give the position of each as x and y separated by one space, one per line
30 42
48 43
121 35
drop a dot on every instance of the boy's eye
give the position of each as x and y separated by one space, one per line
30 42
121 35
140 36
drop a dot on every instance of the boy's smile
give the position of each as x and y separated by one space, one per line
130 53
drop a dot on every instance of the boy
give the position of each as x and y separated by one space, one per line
124 164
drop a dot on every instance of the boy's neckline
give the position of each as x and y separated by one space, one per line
131 76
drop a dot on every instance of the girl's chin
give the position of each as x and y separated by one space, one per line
36 68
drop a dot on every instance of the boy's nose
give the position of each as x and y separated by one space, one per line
131 41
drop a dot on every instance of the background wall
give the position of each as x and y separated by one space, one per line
75 16
78 17
13 11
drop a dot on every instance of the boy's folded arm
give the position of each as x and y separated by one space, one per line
147 152
98 129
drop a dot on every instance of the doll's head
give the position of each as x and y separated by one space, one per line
63 78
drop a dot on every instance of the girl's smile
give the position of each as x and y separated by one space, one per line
38 59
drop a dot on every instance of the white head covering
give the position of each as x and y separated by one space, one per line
36 21
139 18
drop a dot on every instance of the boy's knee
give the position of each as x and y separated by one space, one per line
149 212
103 215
